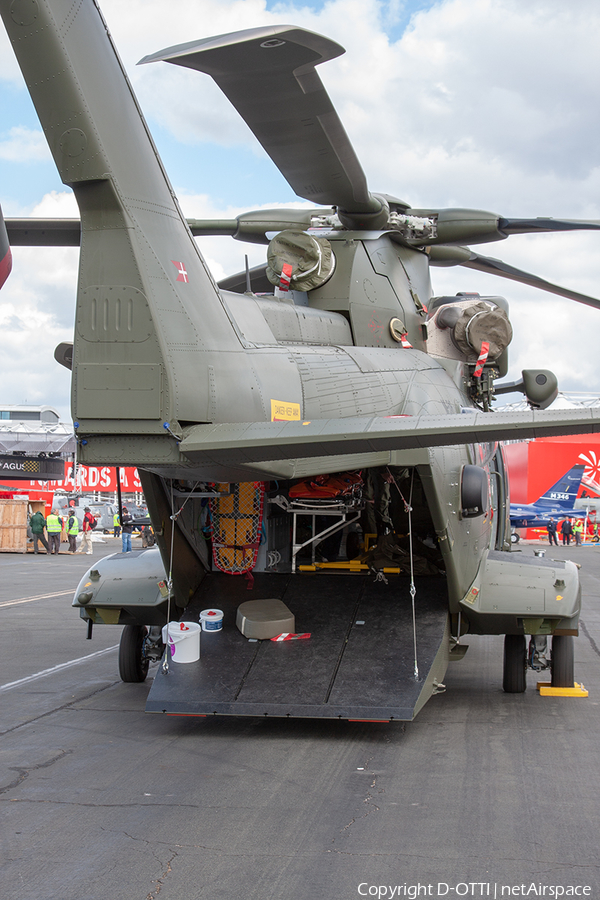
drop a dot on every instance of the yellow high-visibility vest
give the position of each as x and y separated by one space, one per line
74 529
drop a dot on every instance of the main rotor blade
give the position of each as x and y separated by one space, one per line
497 267
44 232
542 224
479 226
252 227
269 76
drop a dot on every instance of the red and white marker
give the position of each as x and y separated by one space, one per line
286 277
287 636
483 355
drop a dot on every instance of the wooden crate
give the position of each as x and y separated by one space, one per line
13 525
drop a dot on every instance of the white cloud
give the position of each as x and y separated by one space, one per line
37 310
35 316
23 145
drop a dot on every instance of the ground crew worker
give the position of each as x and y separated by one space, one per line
87 525
566 530
127 529
72 531
116 525
54 528
38 523
551 528
578 532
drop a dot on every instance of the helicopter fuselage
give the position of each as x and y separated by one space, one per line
160 354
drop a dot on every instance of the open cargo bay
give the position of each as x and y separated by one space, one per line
344 670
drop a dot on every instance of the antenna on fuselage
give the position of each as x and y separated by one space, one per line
248 282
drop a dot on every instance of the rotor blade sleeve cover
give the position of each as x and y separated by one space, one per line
311 258
480 323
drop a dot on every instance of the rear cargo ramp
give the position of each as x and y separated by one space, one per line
345 670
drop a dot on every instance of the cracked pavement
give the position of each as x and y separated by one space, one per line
100 800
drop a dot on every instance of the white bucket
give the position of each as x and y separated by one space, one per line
183 641
211 619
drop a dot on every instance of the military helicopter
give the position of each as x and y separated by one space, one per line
322 424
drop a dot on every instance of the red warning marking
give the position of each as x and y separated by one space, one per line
287 636
286 276
483 355
405 341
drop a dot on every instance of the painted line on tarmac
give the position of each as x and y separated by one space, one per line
45 672
31 599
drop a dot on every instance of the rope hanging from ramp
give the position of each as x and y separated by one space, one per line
413 590
173 518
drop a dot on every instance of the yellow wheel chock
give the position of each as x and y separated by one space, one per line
546 690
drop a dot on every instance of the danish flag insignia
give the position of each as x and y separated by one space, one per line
182 274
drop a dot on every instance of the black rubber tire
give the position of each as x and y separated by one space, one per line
515 664
563 661
515 538
132 666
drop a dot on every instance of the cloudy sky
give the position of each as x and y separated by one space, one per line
490 104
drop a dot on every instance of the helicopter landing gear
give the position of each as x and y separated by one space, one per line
562 663
138 647
515 664
133 667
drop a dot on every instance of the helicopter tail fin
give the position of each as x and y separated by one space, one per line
147 305
564 493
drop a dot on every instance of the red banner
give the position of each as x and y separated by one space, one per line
88 479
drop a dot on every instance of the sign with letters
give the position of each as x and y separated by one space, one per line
40 468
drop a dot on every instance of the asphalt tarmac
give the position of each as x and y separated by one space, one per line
485 794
